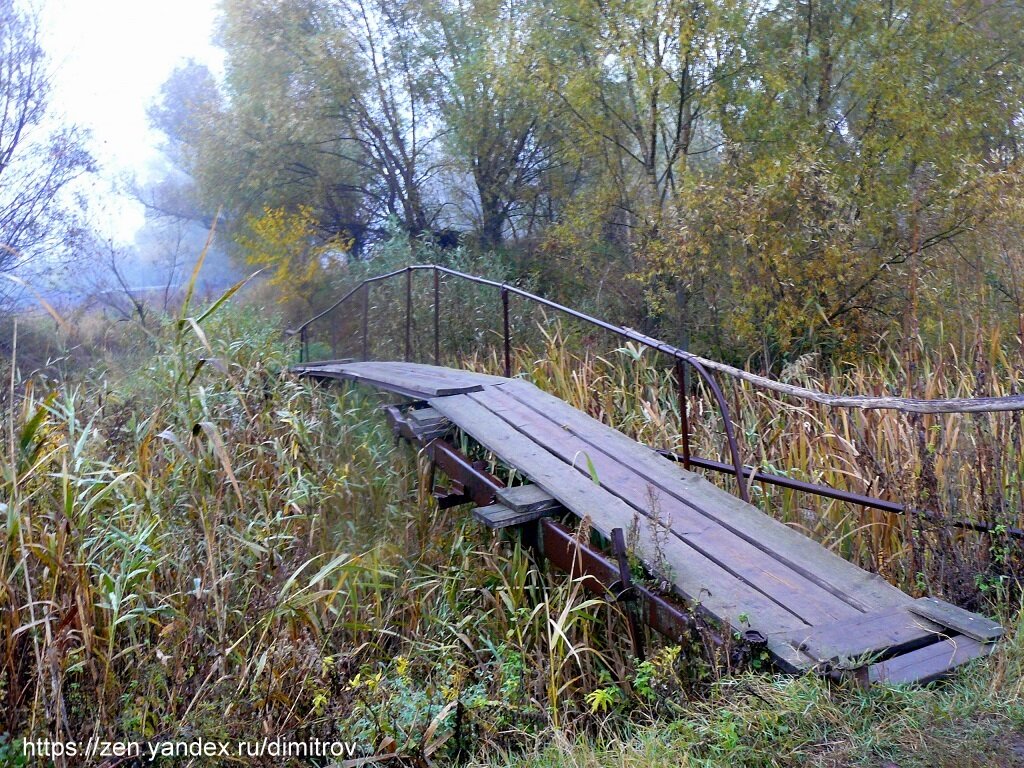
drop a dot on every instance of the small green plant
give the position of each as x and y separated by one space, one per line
602 700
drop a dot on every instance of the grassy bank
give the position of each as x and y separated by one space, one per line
196 544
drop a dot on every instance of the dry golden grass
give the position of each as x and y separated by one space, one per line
947 467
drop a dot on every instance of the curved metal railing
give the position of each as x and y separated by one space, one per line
701 365
681 357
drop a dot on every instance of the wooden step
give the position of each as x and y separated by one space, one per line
426 416
498 516
427 424
929 663
528 498
966 623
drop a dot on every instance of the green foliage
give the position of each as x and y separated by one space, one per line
751 179
869 138
760 720
482 80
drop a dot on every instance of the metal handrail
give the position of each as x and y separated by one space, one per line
904 404
681 357
701 365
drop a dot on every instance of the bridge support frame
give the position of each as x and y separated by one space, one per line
551 541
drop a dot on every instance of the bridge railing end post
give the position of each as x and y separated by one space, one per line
506 331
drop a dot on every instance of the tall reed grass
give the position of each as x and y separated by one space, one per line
197 543
194 543
952 467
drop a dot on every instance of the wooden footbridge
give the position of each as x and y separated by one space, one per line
742 570
592 499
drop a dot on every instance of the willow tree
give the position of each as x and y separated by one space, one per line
372 78
635 81
635 85
324 111
483 86
270 141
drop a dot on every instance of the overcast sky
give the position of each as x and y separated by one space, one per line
109 58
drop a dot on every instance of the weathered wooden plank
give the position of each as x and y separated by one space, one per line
695 577
406 390
498 516
846 642
856 586
966 623
390 377
928 663
407 374
437 375
528 498
321 363
755 567
426 416
441 371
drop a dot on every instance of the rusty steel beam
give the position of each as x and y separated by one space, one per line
684 417
408 315
662 613
479 485
364 329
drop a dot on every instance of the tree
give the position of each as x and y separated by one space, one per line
636 82
285 243
37 163
370 69
325 109
483 85
183 112
864 139
185 97
775 176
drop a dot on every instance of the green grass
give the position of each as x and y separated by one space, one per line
977 719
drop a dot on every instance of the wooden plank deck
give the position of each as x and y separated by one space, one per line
409 379
723 556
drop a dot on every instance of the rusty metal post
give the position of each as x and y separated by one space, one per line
437 317
408 314
366 321
730 437
684 417
508 343
626 593
730 433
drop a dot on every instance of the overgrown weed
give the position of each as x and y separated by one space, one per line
218 549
